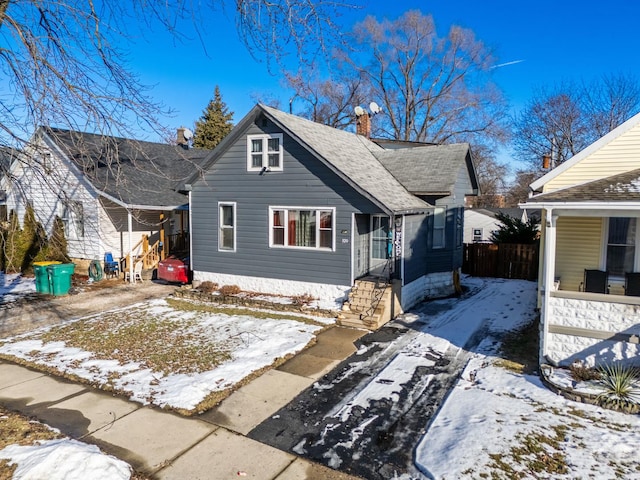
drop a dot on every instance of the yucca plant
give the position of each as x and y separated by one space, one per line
620 385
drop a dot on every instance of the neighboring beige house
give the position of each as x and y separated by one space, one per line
591 205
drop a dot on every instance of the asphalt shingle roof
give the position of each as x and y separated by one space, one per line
623 187
134 172
431 169
352 155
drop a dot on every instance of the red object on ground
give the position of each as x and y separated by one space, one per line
173 269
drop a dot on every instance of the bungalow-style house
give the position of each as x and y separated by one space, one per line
288 206
589 290
480 223
113 194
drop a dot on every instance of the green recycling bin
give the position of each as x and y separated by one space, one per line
60 278
42 277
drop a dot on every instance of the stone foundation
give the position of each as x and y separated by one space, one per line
592 320
434 285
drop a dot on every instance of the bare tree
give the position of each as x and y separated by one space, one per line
610 101
551 124
519 190
329 102
63 63
492 177
562 120
431 88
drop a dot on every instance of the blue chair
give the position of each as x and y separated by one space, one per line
111 266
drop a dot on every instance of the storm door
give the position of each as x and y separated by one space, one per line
380 243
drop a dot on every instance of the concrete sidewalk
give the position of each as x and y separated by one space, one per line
168 446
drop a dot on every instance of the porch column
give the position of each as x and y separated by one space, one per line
190 234
130 227
549 277
162 242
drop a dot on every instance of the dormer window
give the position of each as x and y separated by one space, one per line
264 152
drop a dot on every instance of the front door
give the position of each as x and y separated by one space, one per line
380 243
362 244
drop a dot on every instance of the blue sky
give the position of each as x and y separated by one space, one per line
555 41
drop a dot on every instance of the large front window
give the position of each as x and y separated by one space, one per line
264 152
301 227
621 245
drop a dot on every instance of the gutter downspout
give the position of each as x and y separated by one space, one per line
190 234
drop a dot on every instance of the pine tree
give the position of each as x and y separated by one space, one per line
214 124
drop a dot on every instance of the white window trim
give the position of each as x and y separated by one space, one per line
220 226
443 228
72 219
265 153
371 225
604 244
286 228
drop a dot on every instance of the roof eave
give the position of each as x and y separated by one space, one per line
598 144
133 206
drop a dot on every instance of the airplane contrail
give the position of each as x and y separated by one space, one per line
507 63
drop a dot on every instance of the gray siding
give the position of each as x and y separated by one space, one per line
416 254
304 182
449 258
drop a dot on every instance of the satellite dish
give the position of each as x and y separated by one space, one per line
188 134
374 107
359 111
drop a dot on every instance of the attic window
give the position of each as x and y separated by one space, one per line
46 161
264 153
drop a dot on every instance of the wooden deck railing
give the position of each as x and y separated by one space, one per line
149 255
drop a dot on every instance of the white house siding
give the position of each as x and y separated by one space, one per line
474 219
47 190
598 316
618 156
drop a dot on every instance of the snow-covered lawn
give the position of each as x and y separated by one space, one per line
495 423
14 286
175 354
504 425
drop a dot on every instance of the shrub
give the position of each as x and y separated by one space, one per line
581 372
620 385
57 246
230 290
302 300
208 287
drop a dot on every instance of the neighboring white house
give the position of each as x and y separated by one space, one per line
109 192
480 223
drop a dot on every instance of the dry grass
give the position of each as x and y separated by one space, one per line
161 344
520 349
167 339
16 429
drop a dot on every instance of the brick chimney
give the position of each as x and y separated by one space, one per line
181 140
363 125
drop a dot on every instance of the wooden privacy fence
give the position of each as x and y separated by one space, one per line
504 260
